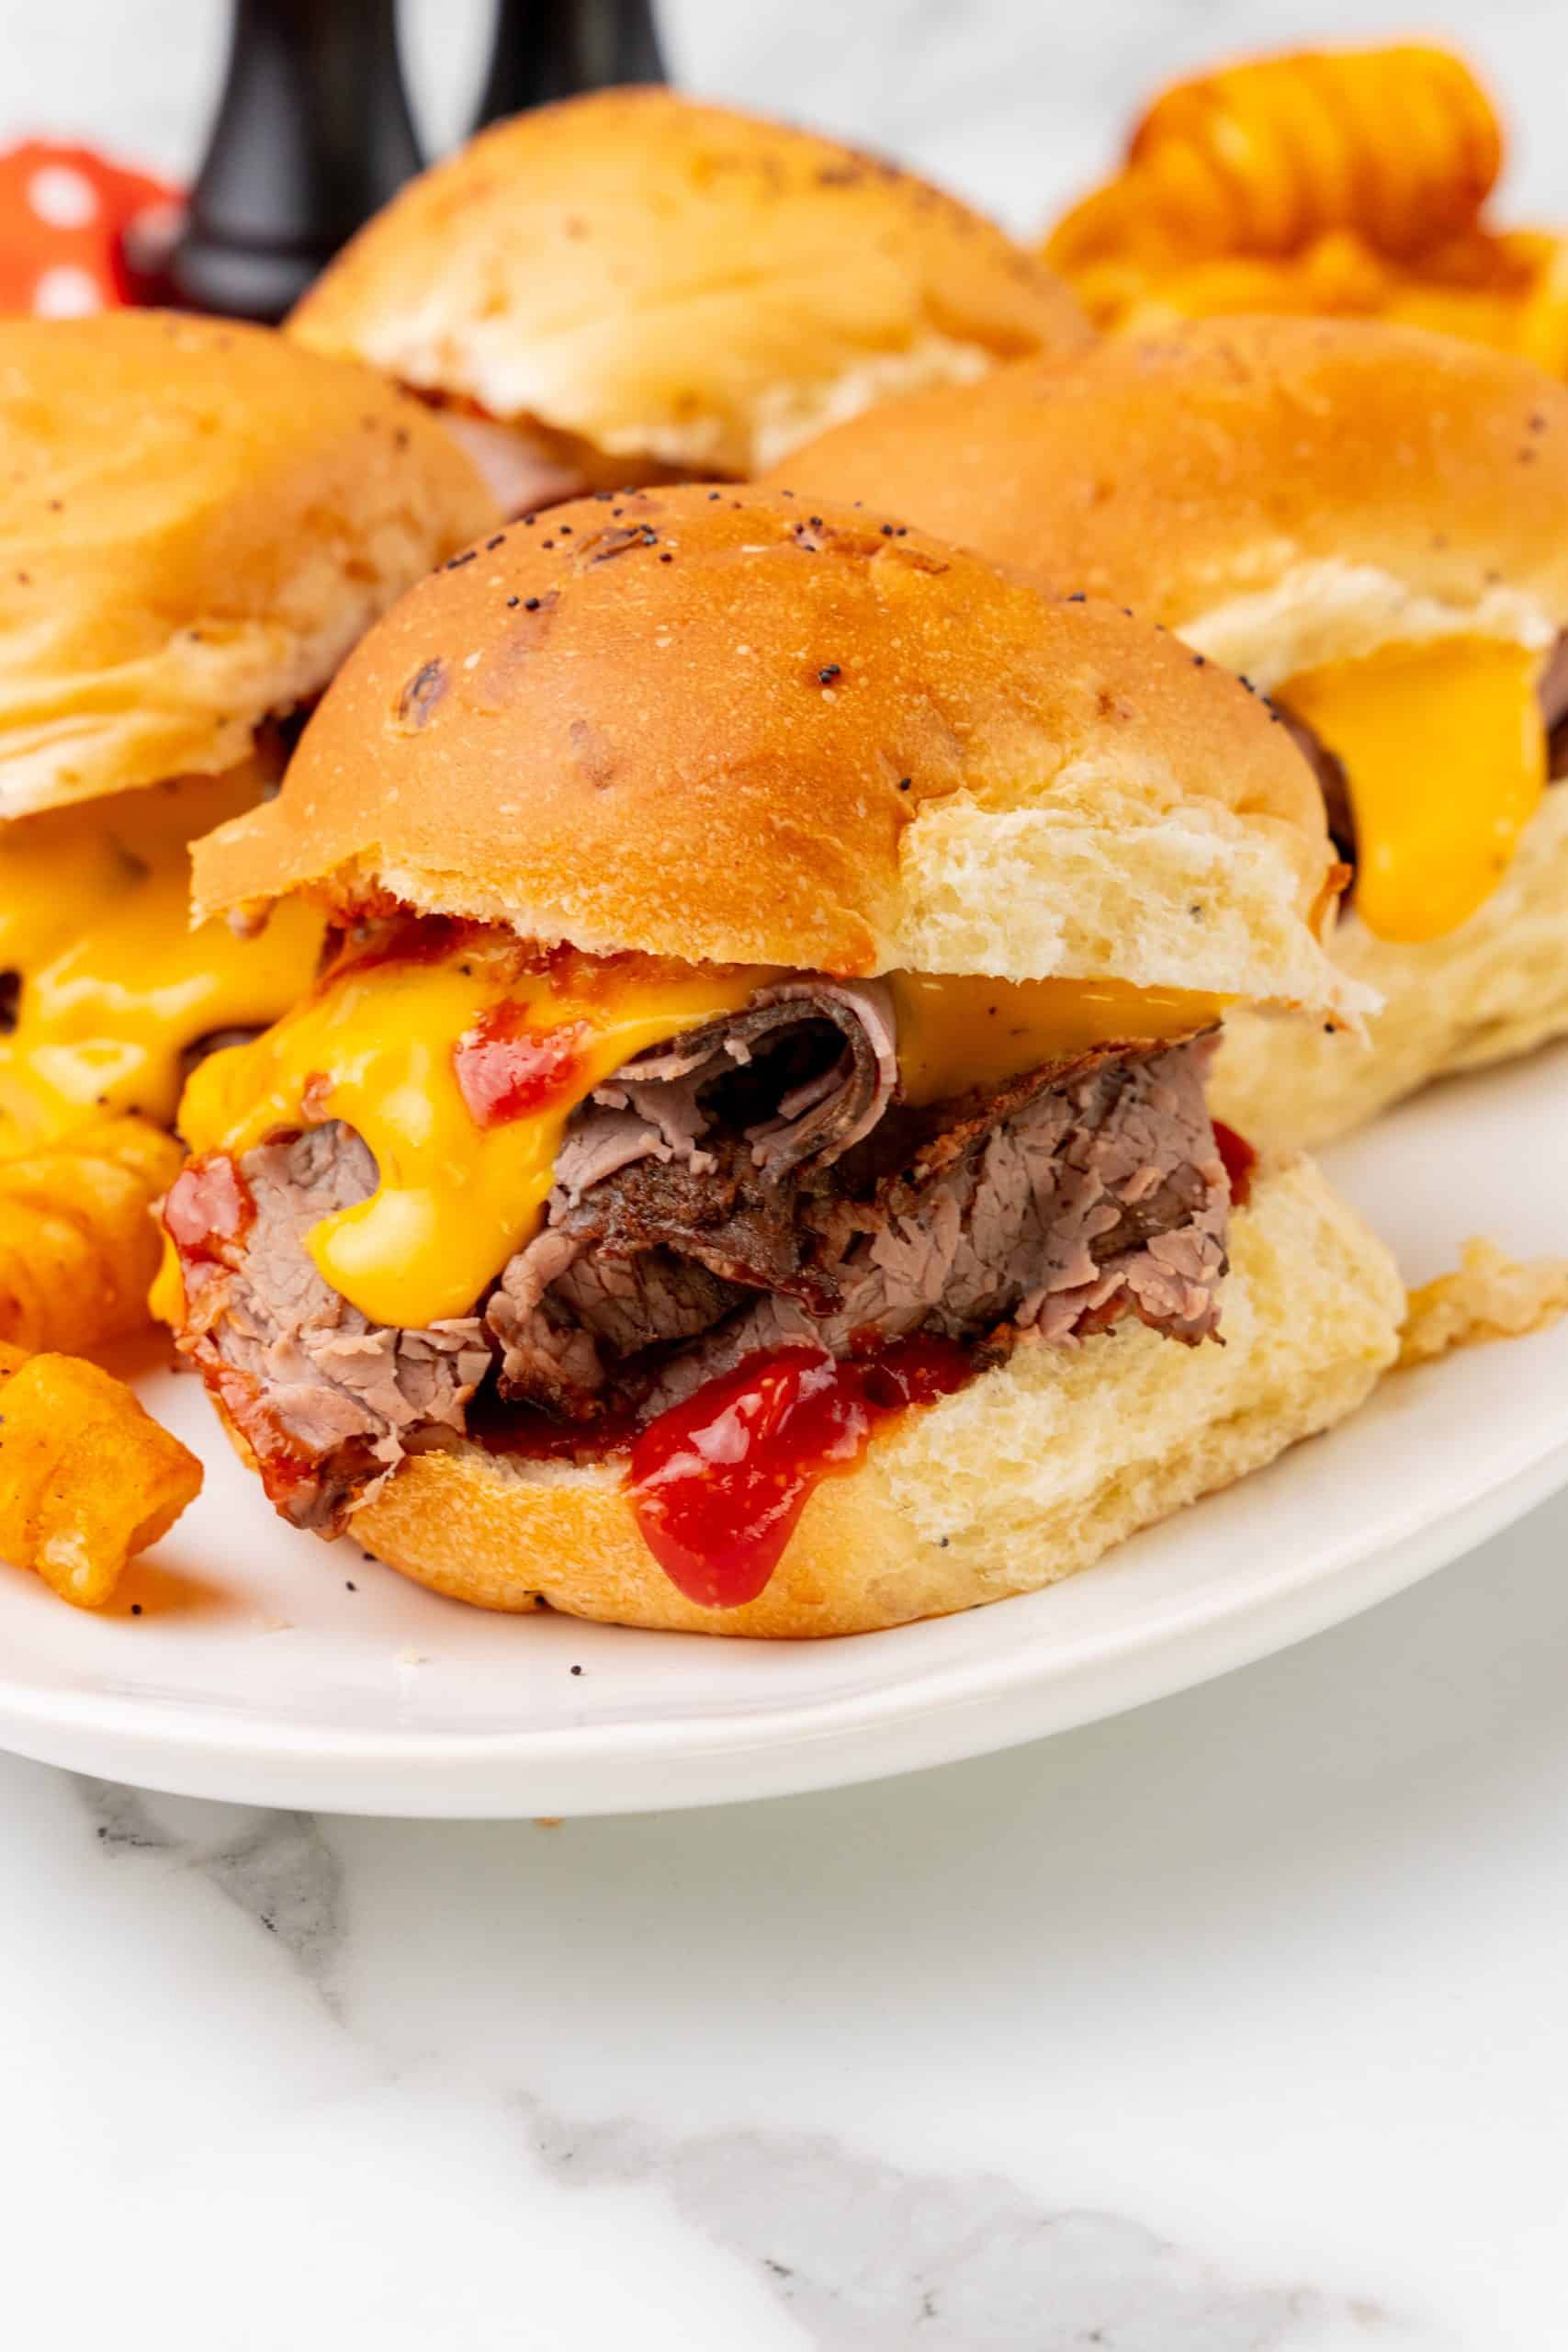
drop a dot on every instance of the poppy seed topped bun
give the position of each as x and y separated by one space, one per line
197 521
727 726
730 729
637 277
1284 492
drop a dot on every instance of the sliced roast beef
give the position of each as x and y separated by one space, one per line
327 1399
1069 1197
673 1200
1332 782
801 1073
757 1180
522 474
559 1304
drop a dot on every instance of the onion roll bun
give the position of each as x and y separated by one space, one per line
632 287
1371 523
198 521
747 1166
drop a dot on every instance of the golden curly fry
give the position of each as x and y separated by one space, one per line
1339 276
1347 182
78 1244
1401 145
87 1477
1543 323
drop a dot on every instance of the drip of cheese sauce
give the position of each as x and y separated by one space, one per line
460 1073
958 1031
382 1044
1444 749
113 985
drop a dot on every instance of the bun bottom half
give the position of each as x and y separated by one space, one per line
1027 1476
1495 988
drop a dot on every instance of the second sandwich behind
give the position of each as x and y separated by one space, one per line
197 520
1367 522
634 287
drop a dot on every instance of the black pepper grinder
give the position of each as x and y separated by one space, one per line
313 133
552 49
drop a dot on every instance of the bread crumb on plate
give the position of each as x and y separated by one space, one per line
1489 1296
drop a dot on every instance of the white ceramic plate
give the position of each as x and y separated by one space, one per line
267 1668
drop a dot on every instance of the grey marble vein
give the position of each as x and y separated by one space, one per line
120 1817
274 1867
868 2258
285 1877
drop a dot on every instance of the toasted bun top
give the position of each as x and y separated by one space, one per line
197 521
673 282
1283 490
723 726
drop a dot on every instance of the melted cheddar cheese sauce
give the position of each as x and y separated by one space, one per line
1444 749
379 1044
113 986
956 1030
374 1045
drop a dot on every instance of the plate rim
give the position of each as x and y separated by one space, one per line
967 1708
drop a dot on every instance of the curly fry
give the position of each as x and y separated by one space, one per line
1543 325
1399 144
1347 182
78 1246
1335 275
87 1477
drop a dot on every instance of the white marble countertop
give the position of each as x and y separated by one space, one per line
1238 2023
1235 2023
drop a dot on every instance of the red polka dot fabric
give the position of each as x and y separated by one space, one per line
79 233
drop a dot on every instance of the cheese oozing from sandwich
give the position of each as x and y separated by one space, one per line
959 1030
113 988
379 1045
1444 750
460 1074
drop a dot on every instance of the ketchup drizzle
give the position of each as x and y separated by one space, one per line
1239 1159
718 1482
504 1069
